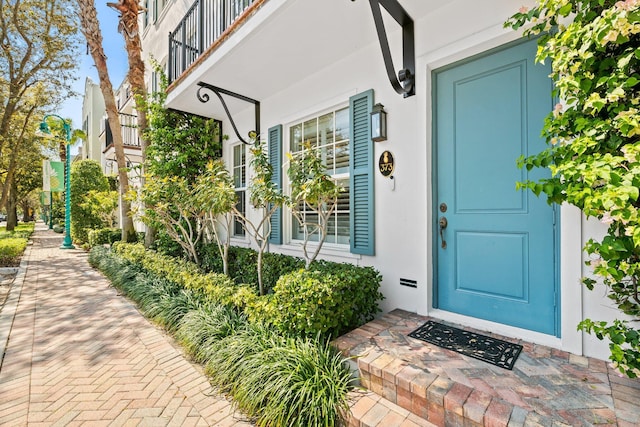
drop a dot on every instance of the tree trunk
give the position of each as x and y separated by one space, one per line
12 214
128 26
91 31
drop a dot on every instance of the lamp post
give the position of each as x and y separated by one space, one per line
44 128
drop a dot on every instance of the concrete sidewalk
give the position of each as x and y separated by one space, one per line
78 353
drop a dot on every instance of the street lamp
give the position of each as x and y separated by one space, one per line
44 129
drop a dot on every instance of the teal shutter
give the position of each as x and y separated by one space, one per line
361 174
274 144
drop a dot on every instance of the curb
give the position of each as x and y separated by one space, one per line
10 307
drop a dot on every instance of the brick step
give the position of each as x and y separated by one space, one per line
370 410
437 399
546 386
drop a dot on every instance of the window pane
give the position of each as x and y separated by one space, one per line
343 228
238 229
342 157
295 138
325 129
312 218
297 232
239 168
310 128
342 125
236 156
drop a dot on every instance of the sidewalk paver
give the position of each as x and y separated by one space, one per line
78 353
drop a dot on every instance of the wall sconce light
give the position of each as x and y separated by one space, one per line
378 123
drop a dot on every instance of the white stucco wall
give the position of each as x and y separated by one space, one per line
92 111
403 207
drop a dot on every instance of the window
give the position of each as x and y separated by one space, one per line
328 133
145 14
158 5
240 184
154 82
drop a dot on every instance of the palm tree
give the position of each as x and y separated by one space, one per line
128 26
129 29
91 30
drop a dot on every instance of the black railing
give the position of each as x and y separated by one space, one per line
129 129
202 25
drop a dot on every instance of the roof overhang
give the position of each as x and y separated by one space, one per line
280 43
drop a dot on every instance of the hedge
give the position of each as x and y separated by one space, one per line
11 249
330 299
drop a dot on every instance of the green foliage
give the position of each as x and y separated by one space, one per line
86 179
215 193
11 250
263 192
624 342
202 328
317 301
188 210
266 197
119 271
171 205
164 244
13 243
314 194
279 380
102 204
242 265
213 286
594 150
330 299
282 381
104 236
180 144
22 230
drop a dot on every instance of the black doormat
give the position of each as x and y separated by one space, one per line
492 350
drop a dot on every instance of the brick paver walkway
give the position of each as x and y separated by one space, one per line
78 353
547 387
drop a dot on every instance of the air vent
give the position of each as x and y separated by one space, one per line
408 282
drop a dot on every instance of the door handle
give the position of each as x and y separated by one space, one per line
443 224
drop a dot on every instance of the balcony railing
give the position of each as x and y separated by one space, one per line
129 129
202 25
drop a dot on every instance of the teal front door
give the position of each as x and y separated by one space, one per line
495 246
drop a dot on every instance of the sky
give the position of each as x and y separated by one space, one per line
113 44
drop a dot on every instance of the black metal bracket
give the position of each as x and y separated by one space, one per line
404 83
204 97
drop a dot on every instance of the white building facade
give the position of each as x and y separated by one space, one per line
444 225
92 112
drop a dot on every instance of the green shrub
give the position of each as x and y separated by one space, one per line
331 298
164 244
104 236
86 176
203 327
11 249
243 265
23 230
281 381
216 287
314 302
362 290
